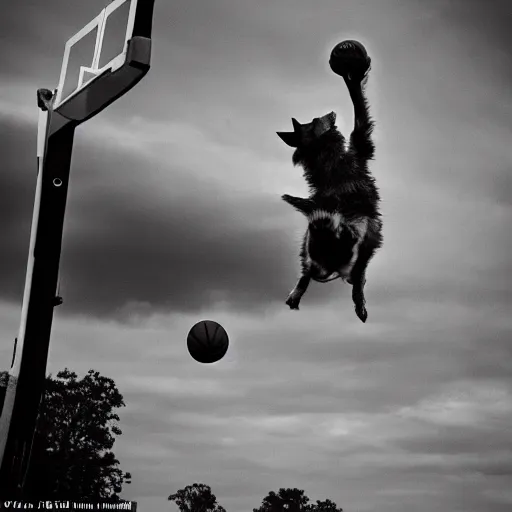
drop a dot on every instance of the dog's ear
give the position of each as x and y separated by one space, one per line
305 206
290 138
297 127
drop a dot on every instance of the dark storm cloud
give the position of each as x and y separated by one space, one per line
17 186
166 259
200 247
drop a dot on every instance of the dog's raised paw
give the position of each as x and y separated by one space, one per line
293 302
362 313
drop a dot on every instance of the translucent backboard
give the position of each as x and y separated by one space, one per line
99 47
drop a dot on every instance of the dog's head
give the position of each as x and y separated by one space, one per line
304 134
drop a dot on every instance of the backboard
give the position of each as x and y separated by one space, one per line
100 47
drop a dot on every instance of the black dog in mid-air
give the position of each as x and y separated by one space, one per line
344 229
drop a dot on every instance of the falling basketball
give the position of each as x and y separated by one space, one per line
350 58
207 342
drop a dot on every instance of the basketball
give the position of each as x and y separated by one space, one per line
350 57
207 342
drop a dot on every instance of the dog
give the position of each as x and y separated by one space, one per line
344 223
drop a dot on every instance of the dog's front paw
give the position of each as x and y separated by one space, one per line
293 300
361 312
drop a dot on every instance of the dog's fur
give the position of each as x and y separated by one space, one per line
345 227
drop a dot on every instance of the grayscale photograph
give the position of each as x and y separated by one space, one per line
256 255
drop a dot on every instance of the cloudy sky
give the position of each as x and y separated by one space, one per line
174 215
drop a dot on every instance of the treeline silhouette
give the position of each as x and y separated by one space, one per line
199 498
72 457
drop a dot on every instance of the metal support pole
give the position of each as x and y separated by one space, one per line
27 375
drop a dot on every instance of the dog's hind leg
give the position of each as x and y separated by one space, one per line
371 242
296 294
358 280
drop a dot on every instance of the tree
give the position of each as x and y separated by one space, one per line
71 454
294 500
286 500
196 498
325 506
